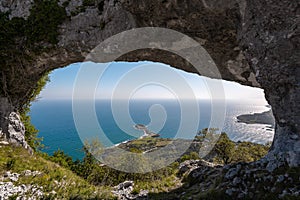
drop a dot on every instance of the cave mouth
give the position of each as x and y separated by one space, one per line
149 103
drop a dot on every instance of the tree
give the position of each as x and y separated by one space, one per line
62 159
206 135
91 150
31 133
224 149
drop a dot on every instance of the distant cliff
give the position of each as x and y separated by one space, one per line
258 118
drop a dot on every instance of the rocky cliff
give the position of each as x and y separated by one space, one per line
252 42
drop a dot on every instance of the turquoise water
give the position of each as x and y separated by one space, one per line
54 120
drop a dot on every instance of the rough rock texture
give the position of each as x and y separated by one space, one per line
6 108
16 131
123 191
268 32
9 188
270 38
17 8
211 23
190 165
235 181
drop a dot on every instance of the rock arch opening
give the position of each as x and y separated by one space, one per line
228 30
52 113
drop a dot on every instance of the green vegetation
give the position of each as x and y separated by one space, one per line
249 152
30 131
42 24
21 39
191 156
53 177
18 38
89 178
161 180
146 143
226 151
10 32
98 174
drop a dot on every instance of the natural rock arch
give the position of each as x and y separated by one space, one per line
266 31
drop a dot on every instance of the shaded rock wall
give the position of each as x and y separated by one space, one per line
268 32
270 38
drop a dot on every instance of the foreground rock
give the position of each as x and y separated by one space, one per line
205 180
190 165
236 181
9 189
15 132
124 191
268 37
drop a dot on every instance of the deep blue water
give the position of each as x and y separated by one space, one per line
54 120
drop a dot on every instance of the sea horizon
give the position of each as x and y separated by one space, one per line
54 120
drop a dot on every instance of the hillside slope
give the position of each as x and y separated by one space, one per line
25 175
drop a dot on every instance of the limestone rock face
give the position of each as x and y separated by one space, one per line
8 188
270 38
211 23
236 33
124 190
85 30
16 131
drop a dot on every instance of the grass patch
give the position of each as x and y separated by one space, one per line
52 178
166 184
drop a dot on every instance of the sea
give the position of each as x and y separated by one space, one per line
55 121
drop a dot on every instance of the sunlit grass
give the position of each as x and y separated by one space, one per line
63 182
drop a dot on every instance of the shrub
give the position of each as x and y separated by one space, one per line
30 131
42 24
224 149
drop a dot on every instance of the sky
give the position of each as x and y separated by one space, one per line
141 80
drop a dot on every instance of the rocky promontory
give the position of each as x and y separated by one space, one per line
258 118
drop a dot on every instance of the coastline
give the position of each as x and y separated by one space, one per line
258 118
